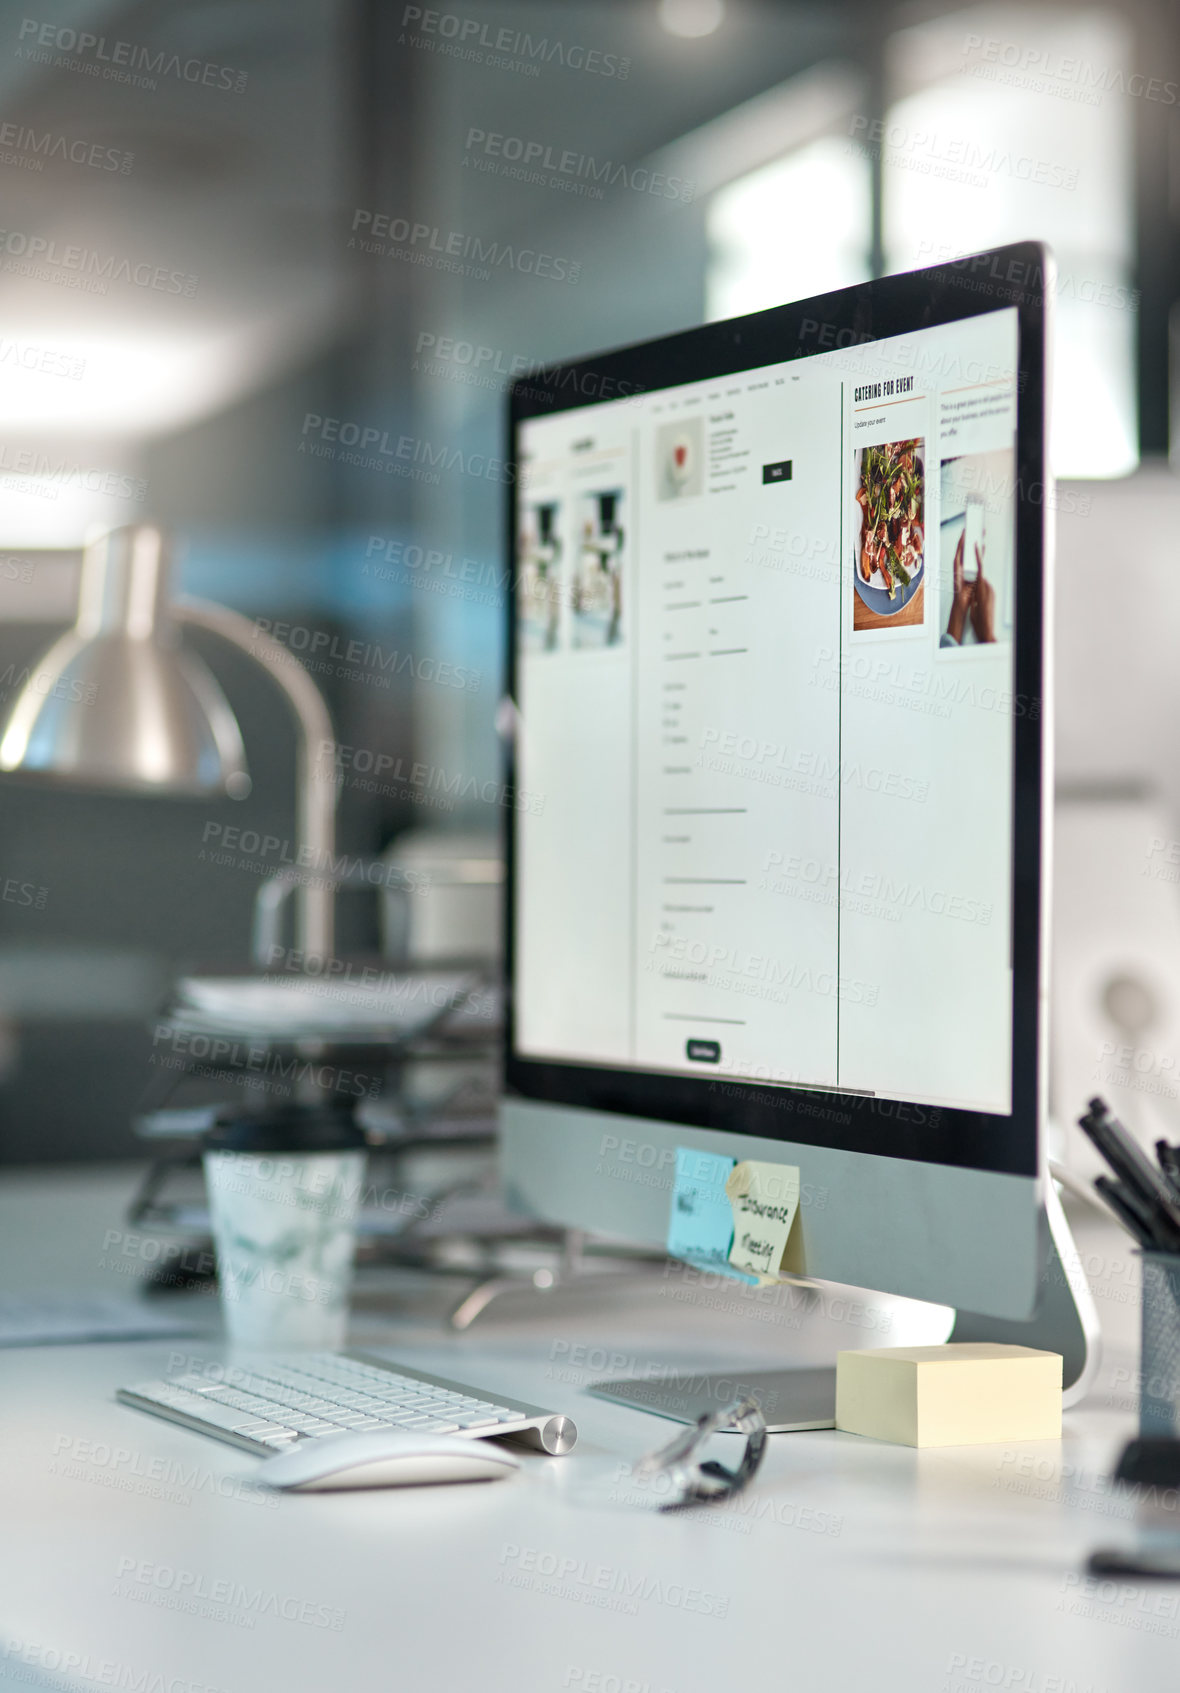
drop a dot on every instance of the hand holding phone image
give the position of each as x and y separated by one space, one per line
975 537
983 608
973 598
961 600
978 519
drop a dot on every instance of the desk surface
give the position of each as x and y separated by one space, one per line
138 1555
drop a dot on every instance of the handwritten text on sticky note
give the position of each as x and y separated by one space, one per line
765 1200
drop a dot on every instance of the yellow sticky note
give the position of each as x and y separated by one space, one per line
962 1394
765 1199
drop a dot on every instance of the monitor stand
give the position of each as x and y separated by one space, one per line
1065 1320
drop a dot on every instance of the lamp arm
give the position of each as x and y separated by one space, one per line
315 764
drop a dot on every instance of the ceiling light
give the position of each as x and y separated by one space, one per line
691 18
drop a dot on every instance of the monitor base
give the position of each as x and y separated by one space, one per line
576 1265
791 1400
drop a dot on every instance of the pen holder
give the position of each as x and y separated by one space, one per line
1159 1394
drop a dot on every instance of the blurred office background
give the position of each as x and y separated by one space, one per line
304 185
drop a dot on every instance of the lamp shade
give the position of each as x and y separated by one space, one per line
115 702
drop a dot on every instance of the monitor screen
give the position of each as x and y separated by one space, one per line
764 667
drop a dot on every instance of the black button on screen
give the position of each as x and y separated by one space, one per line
780 472
704 1051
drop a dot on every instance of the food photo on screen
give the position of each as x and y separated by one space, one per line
889 534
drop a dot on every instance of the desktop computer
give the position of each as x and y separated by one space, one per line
777 861
777 882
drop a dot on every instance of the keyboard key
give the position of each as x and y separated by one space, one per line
475 1420
226 1417
194 1384
241 1401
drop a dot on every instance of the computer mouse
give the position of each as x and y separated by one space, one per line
389 1458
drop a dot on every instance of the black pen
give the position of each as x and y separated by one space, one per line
1134 1169
1169 1163
1131 1212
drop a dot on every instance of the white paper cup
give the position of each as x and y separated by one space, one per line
285 1226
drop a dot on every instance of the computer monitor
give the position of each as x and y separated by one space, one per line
778 844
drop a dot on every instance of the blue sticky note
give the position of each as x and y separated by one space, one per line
700 1225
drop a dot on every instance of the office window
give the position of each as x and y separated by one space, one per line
1010 125
796 227
1002 124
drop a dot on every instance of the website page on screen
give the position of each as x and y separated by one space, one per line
766 701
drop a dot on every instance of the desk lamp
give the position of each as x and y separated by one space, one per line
117 703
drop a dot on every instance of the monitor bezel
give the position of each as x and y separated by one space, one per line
1019 275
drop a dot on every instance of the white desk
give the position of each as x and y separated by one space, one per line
849 1566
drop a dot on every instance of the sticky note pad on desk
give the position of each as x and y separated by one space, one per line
954 1395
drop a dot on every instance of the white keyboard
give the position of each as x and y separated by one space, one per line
274 1402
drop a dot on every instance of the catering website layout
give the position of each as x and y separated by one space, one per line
765 684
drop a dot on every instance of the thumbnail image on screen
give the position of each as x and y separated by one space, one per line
596 592
680 459
539 561
889 535
978 531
